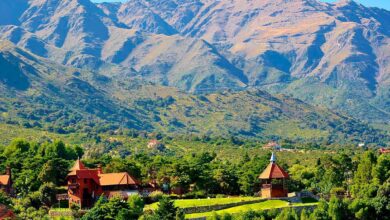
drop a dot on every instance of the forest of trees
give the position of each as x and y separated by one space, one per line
362 178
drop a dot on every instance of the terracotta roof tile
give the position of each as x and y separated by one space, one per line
103 179
78 165
110 179
4 179
273 171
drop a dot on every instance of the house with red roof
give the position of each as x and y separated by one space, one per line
273 180
85 185
272 146
6 182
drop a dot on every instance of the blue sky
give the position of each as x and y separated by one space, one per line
376 3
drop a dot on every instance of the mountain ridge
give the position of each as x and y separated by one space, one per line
335 55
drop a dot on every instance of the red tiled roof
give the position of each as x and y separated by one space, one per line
273 171
103 179
384 151
4 179
78 165
109 179
271 145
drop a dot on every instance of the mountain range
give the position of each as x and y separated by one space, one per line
331 55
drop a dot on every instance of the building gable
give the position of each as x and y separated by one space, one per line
4 179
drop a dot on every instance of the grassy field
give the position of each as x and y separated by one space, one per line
186 203
270 204
63 214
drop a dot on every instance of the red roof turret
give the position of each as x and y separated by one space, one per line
78 165
273 171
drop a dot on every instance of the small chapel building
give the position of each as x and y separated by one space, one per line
274 180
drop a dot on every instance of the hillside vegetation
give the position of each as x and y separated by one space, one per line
66 100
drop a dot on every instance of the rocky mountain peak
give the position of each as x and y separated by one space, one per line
306 48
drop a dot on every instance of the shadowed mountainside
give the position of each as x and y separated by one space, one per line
336 55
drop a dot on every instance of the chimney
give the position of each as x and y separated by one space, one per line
8 170
100 170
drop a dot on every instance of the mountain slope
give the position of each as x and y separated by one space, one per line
136 15
286 46
336 55
39 93
190 64
250 114
37 90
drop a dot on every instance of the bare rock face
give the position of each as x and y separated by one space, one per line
178 13
136 15
336 55
77 26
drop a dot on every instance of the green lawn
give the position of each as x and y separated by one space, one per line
63 218
63 213
270 204
185 203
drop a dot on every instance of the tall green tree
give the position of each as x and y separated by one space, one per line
47 194
304 215
98 211
329 174
336 208
321 212
363 176
54 171
5 199
17 148
136 205
287 214
166 209
114 209
381 202
382 168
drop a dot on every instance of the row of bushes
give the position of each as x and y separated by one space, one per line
157 195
